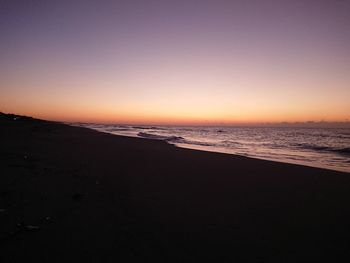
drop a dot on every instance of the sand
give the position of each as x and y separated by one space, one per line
70 194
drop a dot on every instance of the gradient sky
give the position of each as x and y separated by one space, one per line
176 62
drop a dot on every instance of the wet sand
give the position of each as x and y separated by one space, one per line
70 194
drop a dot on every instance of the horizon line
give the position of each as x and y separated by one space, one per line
308 124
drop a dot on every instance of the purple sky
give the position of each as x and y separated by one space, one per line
176 61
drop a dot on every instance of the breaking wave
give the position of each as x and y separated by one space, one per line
159 137
313 147
173 139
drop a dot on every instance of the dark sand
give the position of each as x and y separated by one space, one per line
97 197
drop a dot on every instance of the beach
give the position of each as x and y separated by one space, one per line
72 194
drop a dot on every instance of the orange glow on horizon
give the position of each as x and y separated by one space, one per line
165 119
218 64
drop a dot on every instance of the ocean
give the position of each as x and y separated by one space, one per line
318 147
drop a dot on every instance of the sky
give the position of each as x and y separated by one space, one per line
176 62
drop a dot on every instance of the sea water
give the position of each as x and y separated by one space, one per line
318 147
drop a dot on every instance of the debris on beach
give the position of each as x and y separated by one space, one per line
23 226
77 196
32 228
49 219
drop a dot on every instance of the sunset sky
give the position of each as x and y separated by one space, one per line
176 62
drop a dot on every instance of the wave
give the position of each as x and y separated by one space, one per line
345 151
229 142
159 137
116 129
332 136
173 139
197 143
148 128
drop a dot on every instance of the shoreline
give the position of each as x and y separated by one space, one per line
75 194
222 152
266 159
217 149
